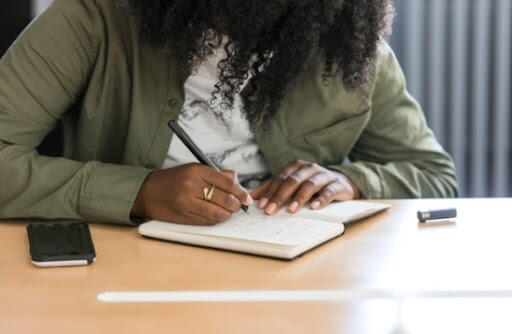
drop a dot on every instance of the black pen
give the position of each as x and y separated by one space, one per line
194 149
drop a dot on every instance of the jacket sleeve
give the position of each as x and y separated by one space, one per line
42 75
397 155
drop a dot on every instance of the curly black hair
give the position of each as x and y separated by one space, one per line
274 41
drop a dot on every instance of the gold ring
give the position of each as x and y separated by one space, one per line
208 193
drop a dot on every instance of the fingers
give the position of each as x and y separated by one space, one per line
275 183
207 213
229 185
229 173
290 185
210 211
334 191
225 200
195 219
260 190
342 189
308 189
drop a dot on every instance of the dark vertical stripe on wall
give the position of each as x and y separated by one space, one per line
436 62
458 92
502 107
14 16
481 45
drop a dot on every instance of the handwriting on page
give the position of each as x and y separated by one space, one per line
289 231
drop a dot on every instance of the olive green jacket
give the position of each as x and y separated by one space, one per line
82 61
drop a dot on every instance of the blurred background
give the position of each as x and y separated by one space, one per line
457 57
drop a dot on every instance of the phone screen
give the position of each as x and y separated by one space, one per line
60 241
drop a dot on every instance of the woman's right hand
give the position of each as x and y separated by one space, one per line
177 195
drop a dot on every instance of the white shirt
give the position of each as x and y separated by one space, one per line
222 134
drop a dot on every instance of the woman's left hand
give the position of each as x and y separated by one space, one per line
301 181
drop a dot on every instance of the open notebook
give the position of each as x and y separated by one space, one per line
283 236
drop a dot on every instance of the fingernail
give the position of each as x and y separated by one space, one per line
249 200
263 202
315 205
271 208
293 207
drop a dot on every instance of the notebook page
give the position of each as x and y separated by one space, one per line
287 231
340 212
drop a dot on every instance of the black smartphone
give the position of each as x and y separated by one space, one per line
60 244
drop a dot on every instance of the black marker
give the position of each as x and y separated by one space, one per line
194 149
424 216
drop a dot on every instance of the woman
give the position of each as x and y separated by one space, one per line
278 92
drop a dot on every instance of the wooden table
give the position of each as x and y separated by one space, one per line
390 251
